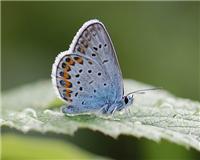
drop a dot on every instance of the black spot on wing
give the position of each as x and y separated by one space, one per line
95 48
77 75
91 82
105 61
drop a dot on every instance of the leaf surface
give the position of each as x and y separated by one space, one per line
155 115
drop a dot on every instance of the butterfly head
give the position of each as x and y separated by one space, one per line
128 99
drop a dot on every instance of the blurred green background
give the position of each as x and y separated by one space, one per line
156 43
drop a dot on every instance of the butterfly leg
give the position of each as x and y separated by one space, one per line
103 109
111 109
114 110
128 112
118 106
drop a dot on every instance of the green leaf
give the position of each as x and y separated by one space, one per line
155 115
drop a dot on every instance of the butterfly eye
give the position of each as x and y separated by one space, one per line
126 100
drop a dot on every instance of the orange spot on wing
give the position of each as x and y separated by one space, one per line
68 94
68 91
68 68
67 75
68 84
79 60
71 62
90 62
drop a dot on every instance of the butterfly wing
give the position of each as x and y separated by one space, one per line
93 41
81 82
88 75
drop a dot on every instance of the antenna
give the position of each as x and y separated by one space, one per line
142 91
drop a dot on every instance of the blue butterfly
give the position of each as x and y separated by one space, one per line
88 76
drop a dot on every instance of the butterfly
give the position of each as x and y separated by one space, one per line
88 76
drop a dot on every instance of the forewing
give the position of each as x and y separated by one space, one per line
92 41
